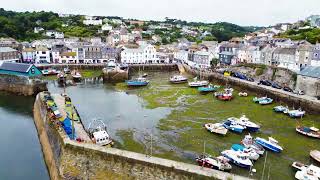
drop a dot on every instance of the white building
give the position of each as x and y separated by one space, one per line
37 29
181 55
55 34
68 58
89 20
143 54
42 55
202 59
28 55
106 27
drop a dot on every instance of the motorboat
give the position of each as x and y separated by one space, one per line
282 109
138 82
219 163
270 144
98 133
217 128
308 131
244 121
310 172
296 113
225 95
209 88
257 100
242 94
266 101
197 83
248 142
238 158
50 72
315 154
252 154
298 165
76 75
233 126
178 79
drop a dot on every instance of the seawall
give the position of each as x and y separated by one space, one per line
68 159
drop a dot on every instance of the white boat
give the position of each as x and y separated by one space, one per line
315 154
310 172
296 113
233 126
281 109
198 83
243 94
244 121
248 142
217 128
309 131
219 163
177 79
99 134
251 153
76 75
298 165
238 158
270 144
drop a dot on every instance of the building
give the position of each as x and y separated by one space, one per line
303 56
228 51
141 55
314 20
249 54
267 55
28 55
92 54
181 55
202 59
90 20
106 27
7 54
54 34
68 58
42 55
315 55
308 80
19 69
285 58
37 29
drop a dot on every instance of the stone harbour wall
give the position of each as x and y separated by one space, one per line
67 159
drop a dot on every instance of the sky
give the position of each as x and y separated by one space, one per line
241 12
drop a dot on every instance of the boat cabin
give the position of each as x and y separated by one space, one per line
101 137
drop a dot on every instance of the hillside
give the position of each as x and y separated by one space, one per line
312 35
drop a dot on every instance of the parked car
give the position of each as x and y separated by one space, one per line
265 82
276 85
250 79
298 92
286 88
239 75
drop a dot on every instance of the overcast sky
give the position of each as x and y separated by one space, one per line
242 12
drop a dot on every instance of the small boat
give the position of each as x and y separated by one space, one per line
76 75
266 101
243 94
197 83
138 82
233 126
66 70
308 131
217 128
315 154
145 75
252 154
281 109
225 95
257 100
238 158
178 79
50 72
270 144
310 172
219 163
248 142
62 77
296 113
298 165
209 88
244 121
99 134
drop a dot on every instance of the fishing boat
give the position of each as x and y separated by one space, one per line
252 154
98 133
315 154
197 83
217 128
138 82
219 163
76 75
233 126
62 77
238 158
178 79
248 142
225 95
209 88
270 144
308 131
282 109
310 172
296 113
244 121
243 94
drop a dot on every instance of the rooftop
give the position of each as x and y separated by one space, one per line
311 71
17 67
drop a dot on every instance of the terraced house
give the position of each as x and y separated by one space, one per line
7 54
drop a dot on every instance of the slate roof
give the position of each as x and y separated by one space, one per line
311 71
7 49
17 67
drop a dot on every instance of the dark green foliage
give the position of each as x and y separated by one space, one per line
312 35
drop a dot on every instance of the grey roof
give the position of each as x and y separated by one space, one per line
227 53
7 49
17 67
290 51
311 71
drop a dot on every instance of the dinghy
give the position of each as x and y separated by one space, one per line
178 79
315 154
270 144
252 154
218 163
217 128
225 95
298 165
238 158
76 75
308 131
248 142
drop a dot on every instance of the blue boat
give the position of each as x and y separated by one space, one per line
262 100
244 121
238 158
233 126
237 147
270 144
209 88
138 82
280 109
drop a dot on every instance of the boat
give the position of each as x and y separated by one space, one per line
49 72
145 75
209 88
225 95
197 83
315 154
66 70
243 94
296 113
76 75
178 79
252 154
310 172
248 142
233 126
97 131
238 158
138 82
244 121
270 144
62 77
309 131
217 128
282 109
219 163
298 165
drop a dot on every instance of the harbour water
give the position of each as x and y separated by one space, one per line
165 120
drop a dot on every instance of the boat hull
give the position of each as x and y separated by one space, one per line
178 81
308 134
236 162
268 146
315 155
129 83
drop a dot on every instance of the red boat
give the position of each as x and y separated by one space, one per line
225 95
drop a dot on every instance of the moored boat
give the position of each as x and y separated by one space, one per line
315 154
310 172
218 163
138 82
209 88
76 75
98 133
248 142
308 131
257 100
252 154
266 101
196 83
238 158
66 70
244 121
296 113
233 126
298 165
225 95
217 128
178 79
280 109
62 77
243 94
145 75
270 144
